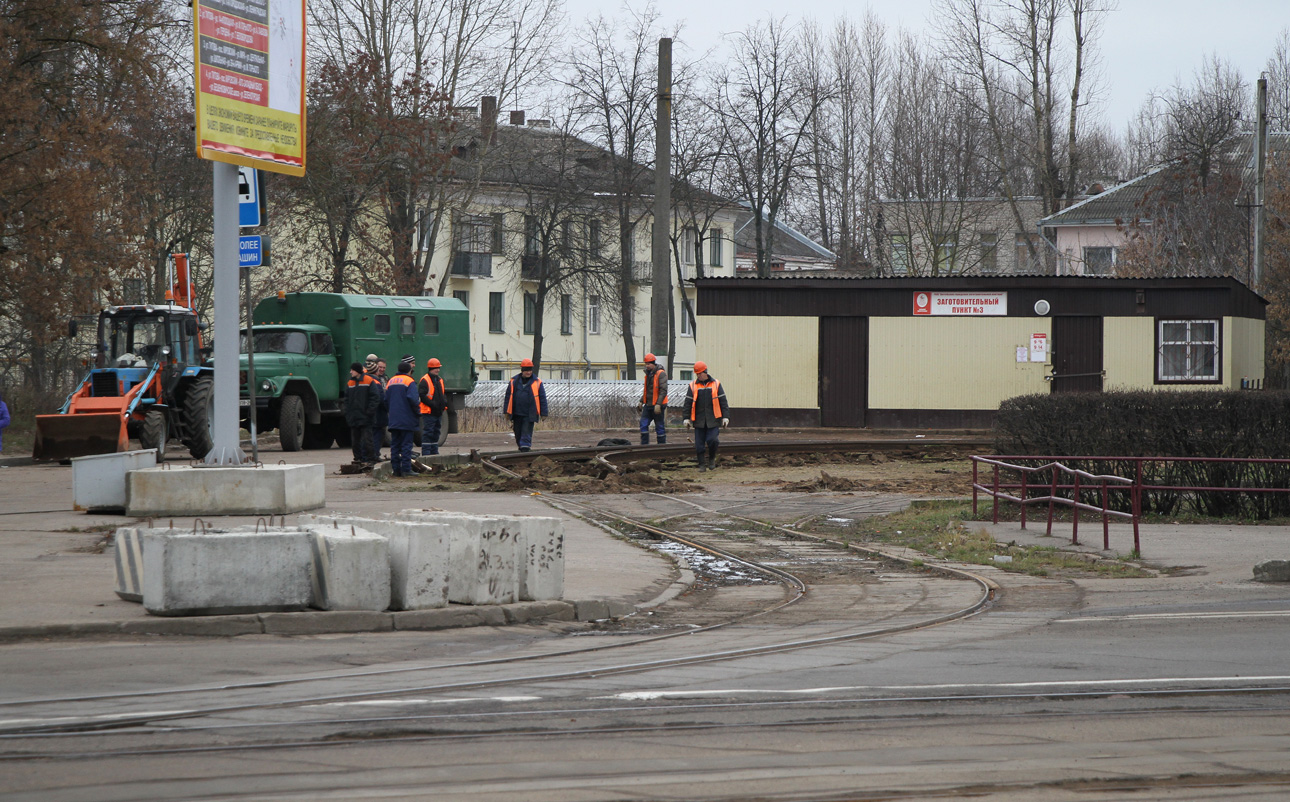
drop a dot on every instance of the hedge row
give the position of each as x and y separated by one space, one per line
1164 424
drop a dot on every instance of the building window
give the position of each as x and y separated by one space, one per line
530 313
499 220
566 374
899 254
566 237
690 244
1024 263
496 375
474 234
593 374
1187 351
1099 261
566 314
686 329
382 323
463 296
593 238
687 375
593 314
531 241
989 244
714 242
496 308
407 325
946 247
425 221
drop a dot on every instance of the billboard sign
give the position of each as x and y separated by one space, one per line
250 58
960 304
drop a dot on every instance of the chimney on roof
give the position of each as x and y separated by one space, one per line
488 119
517 118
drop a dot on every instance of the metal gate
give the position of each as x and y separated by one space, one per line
844 371
1077 355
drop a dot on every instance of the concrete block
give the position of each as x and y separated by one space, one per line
267 490
322 623
620 609
483 555
524 612
349 569
590 610
215 573
1272 571
98 481
127 547
449 618
418 557
540 551
216 626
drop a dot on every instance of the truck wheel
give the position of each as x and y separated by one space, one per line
199 416
154 432
291 423
318 436
445 421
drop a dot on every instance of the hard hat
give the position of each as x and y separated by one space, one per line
526 363
650 358
700 367
433 363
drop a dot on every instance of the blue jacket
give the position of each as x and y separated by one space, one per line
525 399
404 402
4 421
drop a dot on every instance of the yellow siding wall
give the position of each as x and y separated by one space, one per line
1243 353
1129 353
763 362
951 363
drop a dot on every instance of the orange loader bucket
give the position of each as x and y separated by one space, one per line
61 437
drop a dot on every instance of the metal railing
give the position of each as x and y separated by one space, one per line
1104 483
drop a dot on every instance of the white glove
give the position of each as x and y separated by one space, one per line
658 408
725 422
688 425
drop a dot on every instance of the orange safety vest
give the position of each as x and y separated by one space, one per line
436 388
695 387
366 379
534 387
646 395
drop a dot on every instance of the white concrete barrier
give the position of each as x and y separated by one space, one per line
484 555
98 481
349 569
127 549
184 490
214 572
418 557
539 550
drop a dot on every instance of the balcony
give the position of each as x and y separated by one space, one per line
642 272
472 265
531 267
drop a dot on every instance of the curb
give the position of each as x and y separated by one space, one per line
324 622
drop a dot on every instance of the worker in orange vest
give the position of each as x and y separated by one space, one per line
653 406
434 400
525 404
707 413
405 416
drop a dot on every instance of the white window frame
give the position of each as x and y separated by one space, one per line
686 304
593 314
1191 348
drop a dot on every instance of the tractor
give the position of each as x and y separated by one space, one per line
148 382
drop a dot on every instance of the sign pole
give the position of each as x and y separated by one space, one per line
227 449
250 370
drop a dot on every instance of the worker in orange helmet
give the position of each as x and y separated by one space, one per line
525 404
707 413
653 405
434 400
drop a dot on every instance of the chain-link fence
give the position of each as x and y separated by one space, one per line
578 397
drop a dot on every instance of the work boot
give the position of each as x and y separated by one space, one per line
712 455
662 439
703 463
644 439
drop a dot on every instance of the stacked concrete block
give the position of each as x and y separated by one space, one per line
264 490
215 573
349 569
417 553
542 564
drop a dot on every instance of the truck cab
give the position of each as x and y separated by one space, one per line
297 384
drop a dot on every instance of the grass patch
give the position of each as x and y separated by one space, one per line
942 529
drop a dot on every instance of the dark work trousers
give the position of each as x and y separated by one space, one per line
401 451
706 437
430 434
648 417
375 435
523 428
360 440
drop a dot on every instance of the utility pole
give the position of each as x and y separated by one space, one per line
660 299
1260 164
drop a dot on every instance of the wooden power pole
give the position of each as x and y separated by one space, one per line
660 299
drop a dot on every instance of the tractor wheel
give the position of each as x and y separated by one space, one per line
199 416
154 432
291 423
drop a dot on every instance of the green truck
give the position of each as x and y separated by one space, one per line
304 343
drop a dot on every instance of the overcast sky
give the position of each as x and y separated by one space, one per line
1145 45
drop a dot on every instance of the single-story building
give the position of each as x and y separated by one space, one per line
945 352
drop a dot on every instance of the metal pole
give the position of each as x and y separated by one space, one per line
661 294
250 371
227 450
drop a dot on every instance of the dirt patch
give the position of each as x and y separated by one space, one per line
826 481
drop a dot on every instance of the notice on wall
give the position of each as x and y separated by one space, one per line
963 304
250 58
1023 354
1039 347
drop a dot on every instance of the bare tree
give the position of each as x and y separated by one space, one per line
1200 119
1278 72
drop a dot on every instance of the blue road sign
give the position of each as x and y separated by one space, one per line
251 251
248 197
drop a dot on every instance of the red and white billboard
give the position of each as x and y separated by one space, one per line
960 304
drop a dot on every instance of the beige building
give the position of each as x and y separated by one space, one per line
945 352
960 236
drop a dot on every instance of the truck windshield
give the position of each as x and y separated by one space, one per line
280 342
136 341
